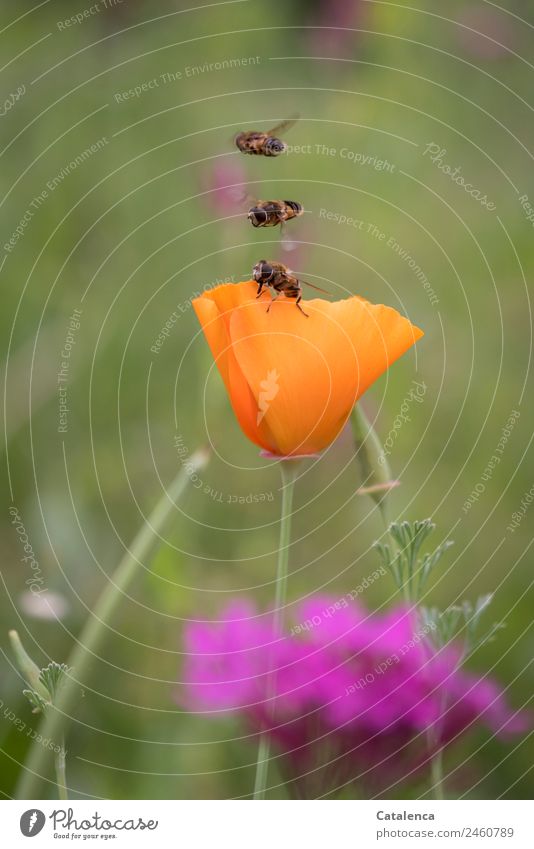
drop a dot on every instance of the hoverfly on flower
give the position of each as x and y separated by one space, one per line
277 276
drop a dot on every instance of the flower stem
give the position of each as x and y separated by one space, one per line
61 778
436 772
94 632
262 767
376 472
288 469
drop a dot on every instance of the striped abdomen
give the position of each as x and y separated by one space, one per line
295 207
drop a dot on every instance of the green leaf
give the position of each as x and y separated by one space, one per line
410 571
51 677
37 702
461 621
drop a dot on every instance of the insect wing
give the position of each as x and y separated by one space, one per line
317 288
284 125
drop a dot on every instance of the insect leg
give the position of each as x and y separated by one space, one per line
297 302
273 300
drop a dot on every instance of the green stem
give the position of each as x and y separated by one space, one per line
262 766
376 472
61 778
436 773
94 632
437 777
288 469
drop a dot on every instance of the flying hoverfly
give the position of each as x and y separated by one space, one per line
270 213
257 143
277 276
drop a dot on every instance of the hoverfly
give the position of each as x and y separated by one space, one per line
277 276
269 213
263 144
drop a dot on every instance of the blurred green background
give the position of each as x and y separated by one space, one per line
134 229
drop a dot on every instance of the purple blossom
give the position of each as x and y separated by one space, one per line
344 694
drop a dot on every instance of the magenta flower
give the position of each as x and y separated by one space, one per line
344 694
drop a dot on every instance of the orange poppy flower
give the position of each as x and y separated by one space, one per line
292 380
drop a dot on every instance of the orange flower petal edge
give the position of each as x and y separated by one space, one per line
292 380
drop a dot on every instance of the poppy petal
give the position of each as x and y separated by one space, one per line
292 380
321 365
213 311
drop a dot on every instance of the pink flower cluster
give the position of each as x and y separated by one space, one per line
345 694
